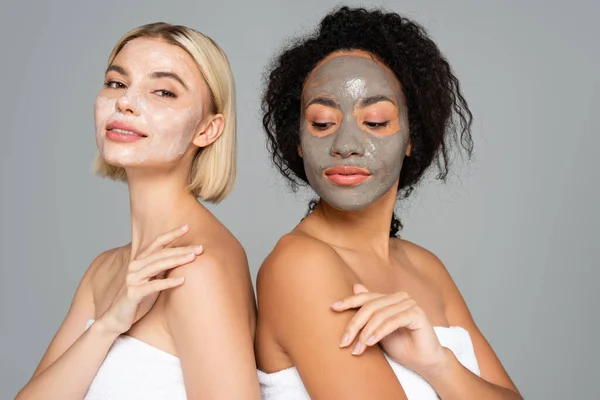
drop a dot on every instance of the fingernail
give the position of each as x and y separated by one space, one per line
198 249
357 349
180 279
185 227
191 256
337 304
371 340
345 340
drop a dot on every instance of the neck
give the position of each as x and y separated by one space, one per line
365 229
159 202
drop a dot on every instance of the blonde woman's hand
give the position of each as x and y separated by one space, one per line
145 280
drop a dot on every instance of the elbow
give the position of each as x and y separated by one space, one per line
513 394
25 393
21 395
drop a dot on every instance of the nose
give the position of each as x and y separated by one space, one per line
128 103
348 141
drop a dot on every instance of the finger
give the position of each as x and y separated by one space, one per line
366 312
159 266
402 320
359 288
164 253
164 239
371 333
357 300
158 285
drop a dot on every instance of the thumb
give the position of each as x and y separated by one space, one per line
359 288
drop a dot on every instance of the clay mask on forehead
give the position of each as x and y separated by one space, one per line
347 86
169 123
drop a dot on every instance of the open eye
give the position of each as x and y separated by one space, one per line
165 93
114 85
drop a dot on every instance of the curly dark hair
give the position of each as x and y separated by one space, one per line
438 114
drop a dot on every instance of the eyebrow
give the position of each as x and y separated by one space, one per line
154 75
116 68
369 101
324 101
172 75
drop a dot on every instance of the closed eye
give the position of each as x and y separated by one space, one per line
322 125
376 124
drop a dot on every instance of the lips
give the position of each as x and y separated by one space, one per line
346 170
124 129
347 175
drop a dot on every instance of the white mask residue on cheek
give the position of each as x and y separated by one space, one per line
169 123
172 132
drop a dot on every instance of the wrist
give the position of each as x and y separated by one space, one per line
103 328
441 370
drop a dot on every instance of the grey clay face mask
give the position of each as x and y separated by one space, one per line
345 82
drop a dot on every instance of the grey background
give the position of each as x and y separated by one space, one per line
515 228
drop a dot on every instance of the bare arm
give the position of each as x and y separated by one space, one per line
209 321
73 359
72 356
296 286
457 382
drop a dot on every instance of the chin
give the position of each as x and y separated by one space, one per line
348 207
118 159
140 160
346 204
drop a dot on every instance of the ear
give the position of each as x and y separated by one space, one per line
209 130
300 151
408 148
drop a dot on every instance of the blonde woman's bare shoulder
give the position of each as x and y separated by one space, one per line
219 243
223 263
104 265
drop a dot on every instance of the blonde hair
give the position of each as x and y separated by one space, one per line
213 172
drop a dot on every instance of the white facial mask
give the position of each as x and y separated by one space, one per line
168 123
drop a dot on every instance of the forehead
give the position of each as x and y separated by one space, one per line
149 55
351 75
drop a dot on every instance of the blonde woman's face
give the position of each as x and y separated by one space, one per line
152 105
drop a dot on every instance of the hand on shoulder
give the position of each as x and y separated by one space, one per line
296 286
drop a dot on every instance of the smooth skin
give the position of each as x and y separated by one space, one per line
338 284
188 291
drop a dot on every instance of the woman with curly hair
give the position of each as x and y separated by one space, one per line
359 111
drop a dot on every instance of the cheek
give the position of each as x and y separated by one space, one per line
103 108
391 151
172 123
315 152
173 130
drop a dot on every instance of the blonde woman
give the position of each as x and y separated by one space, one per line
171 315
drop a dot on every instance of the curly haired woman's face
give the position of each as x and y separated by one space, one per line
354 130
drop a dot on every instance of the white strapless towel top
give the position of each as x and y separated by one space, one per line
134 369
287 384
